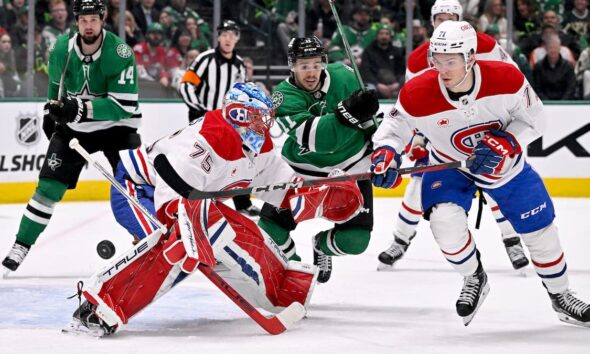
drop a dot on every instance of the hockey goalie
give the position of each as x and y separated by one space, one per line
225 149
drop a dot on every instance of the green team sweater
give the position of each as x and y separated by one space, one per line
358 41
317 142
108 78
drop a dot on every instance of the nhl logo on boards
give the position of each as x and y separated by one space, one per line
27 129
124 51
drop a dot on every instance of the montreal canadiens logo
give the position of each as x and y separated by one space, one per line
464 140
238 114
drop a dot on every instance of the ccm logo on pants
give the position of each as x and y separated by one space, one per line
534 211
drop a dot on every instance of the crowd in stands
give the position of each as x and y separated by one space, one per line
549 41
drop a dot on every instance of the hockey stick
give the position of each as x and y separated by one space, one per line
273 324
60 88
197 194
349 52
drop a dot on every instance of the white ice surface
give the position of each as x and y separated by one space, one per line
360 310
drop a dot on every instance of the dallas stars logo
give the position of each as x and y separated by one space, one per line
54 162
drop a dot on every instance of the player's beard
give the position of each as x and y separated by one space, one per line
89 40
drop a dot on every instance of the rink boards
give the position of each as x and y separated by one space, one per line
561 156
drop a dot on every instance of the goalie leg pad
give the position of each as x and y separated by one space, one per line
256 267
132 282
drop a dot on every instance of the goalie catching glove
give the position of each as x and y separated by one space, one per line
335 201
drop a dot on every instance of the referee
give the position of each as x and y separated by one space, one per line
208 78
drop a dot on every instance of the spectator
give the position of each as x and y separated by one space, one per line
526 19
58 24
9 80
111 15
145 14
550 19
249 64
582 71
154 62
359 35
197 39
13 9
553 77
493 15
539 53
556 6
133 34
179 12
383 65
576 22
375 10
321 22
165 20
419 33
287 30
176 75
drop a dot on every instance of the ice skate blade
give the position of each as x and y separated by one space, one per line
76 328
467 319
567 319
382 267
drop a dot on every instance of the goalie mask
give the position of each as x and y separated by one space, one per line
250 112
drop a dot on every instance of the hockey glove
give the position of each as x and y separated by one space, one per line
357 109
489 153
48 122
71 109
384 164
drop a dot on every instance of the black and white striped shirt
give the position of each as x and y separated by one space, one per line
208 79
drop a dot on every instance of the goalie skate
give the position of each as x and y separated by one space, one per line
84 321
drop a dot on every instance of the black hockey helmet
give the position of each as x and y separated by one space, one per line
306 47
88 7
228 25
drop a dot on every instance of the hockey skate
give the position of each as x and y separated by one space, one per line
474 291
16 256
322 261
85 321
516 253
394 253
571 309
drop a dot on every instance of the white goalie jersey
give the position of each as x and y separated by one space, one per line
208 155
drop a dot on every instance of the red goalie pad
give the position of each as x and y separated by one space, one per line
337 202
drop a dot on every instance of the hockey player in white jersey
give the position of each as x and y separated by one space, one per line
486 112
225 149
410 211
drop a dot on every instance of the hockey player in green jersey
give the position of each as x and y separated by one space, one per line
329 123
98 106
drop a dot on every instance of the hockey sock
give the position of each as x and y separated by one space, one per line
39 210
281 237
342 242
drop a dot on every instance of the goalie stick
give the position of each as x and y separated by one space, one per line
273 324
169 175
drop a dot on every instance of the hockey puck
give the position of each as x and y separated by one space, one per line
105 249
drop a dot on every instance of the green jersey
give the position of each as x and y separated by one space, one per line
317 142
358 41
107 78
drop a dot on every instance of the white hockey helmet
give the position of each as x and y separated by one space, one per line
452 7
453 37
